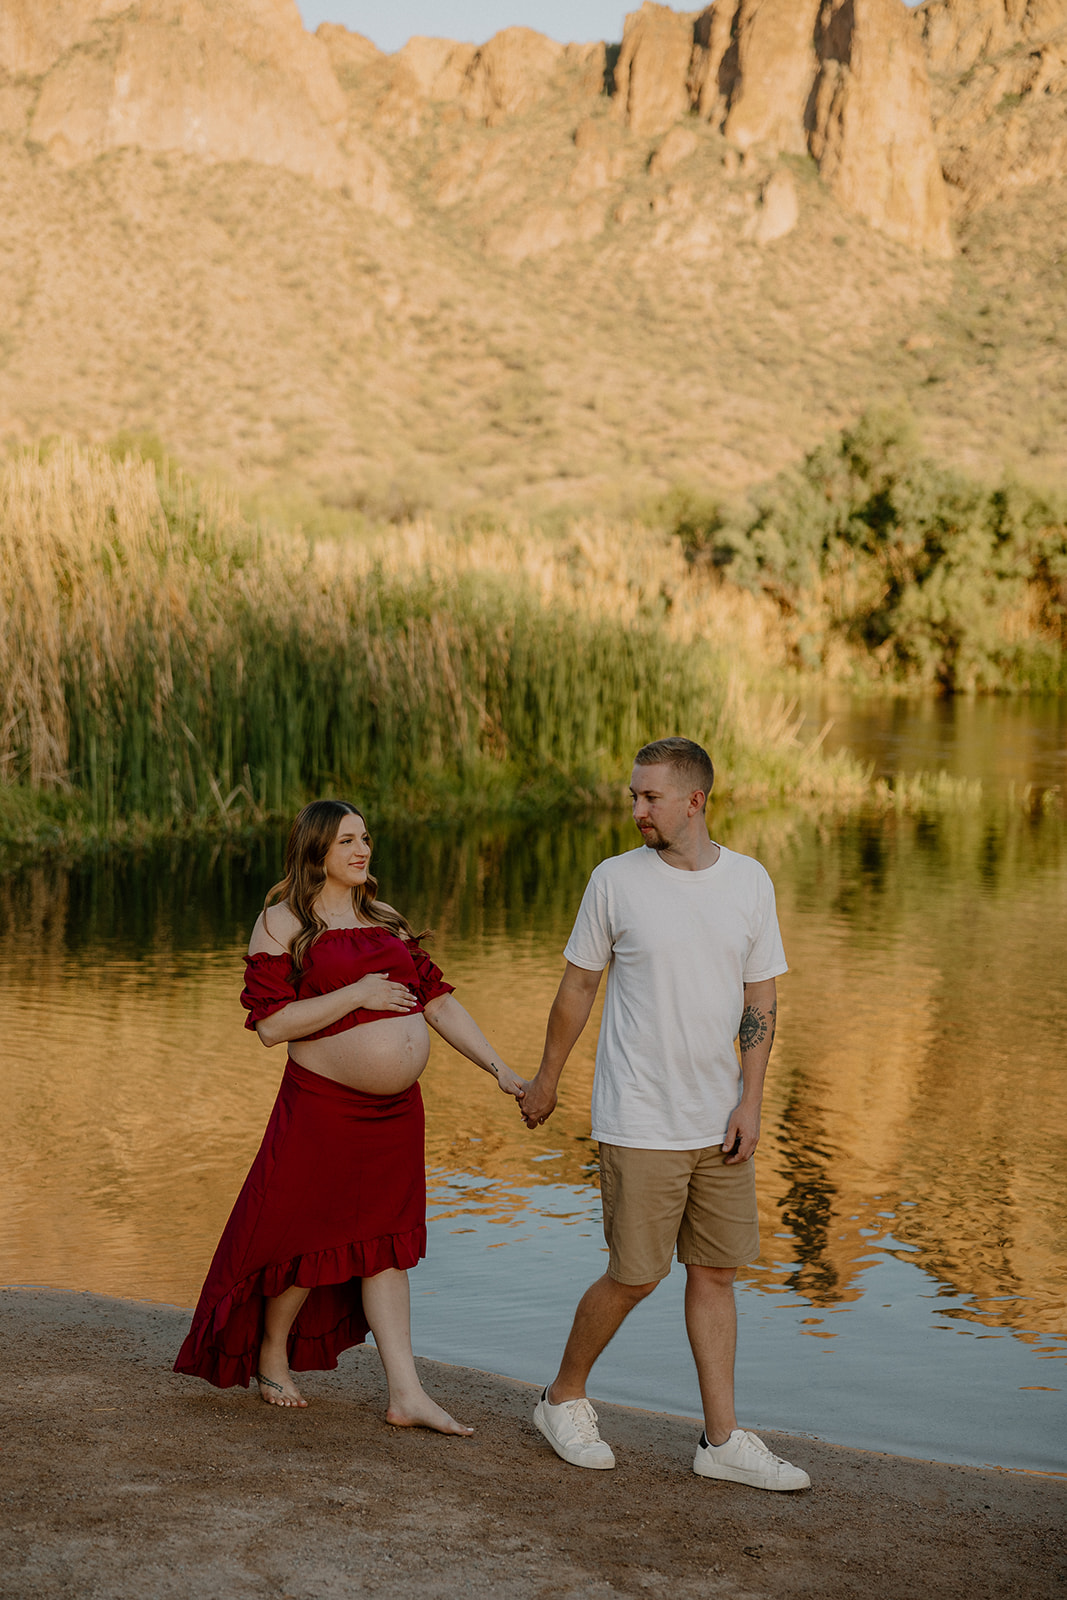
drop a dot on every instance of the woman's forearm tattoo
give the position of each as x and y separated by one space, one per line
755 1025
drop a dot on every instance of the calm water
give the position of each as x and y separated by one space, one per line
911 1292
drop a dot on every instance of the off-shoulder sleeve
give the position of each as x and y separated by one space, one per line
428 980
267 988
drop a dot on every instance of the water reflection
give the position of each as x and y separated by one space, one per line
919 1054
1020 741
917 1101
807 1206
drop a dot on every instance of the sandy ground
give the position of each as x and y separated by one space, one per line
118 1479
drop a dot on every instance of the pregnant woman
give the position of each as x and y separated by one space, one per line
333 1211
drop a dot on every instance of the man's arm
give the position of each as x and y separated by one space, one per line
569 1015
755 1036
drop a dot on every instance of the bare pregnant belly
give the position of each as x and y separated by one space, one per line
383 1057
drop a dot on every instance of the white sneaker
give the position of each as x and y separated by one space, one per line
572 1432
744 1458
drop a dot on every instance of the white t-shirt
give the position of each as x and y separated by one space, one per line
681 946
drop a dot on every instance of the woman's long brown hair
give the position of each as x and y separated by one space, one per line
312 834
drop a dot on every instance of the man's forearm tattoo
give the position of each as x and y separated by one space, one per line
755 1026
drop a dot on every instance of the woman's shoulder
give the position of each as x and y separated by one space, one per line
274 931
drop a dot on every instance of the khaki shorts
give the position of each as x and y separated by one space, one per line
656 1201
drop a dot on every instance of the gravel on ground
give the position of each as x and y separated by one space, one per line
122 1481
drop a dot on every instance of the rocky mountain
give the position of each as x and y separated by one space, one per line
228 82
999 71
527 270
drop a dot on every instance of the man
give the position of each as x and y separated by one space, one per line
689 933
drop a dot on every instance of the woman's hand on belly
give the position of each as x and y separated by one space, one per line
382 1057
379 992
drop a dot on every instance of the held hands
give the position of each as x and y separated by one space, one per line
508 1081
538 1103
378 992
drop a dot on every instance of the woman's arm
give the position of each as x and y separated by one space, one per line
273 933
375 992
456 1025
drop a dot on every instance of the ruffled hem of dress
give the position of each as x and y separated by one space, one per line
202 1356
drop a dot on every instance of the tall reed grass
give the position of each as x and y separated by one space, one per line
161 658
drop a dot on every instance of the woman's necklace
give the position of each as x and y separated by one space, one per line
345 918
336 919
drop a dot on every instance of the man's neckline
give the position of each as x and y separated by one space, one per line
687 872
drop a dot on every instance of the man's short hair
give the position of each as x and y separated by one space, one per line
691 760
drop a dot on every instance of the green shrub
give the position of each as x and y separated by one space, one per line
922 574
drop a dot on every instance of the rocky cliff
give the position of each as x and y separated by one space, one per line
845 81
754 206
1000 93
222 80
238 80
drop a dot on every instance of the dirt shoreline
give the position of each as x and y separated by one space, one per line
121 1480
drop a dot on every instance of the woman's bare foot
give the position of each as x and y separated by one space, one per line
422 1412
276 1385
284 1393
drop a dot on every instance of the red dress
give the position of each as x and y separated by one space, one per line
337 1192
